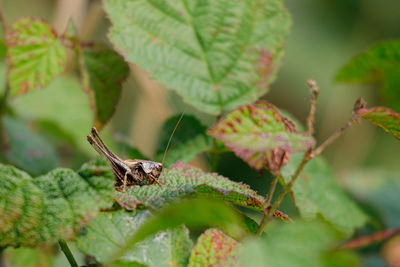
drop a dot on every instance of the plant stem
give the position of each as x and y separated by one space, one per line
313 107
309 155
370 239
267 204
68 253
334 136
267 217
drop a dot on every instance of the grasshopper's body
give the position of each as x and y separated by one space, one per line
130 171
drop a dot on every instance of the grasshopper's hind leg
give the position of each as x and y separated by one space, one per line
101 143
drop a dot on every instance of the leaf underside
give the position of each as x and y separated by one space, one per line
215 57
104 72
35 55
51 206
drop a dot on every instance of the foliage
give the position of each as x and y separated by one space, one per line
215 58
260 135
51 206
380 63
190 139
285 246
220 57
103 73
384 118
109 232
317 193
36 55
214 248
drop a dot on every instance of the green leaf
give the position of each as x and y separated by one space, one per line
103 73
189 140
214 248
295 244
195 213
29 257
259 135
384 118
184 180
51 206
36 55
27 150
215 57
342 258
110 231
316 192
380 63
64 94
379 189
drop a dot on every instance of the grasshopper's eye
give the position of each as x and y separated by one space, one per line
147 166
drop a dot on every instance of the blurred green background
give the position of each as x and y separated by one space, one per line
325 35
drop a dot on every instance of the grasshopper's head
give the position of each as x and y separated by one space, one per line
151 167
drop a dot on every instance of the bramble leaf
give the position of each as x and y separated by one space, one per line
103 74
27 150
214 248
64 93
384 118
51 206
259 135
316 192
285 245
215 57
189 140
110 231
380 63
182 180
36 55
380 190
194 213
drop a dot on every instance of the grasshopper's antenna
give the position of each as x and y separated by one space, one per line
170 138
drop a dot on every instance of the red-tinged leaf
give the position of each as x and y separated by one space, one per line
183 180
259 134
214 248
383 117
103 73
35 55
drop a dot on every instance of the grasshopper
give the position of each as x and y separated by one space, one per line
131 171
